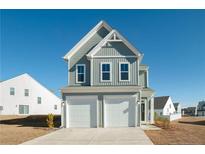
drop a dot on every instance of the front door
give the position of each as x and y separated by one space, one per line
142 111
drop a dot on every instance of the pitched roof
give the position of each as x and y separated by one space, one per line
159 102
176 104
27 76
107 38
86 38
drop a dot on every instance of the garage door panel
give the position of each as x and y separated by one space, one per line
83 111
120 111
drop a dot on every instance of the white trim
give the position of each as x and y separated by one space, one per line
115 40
91 72
138 72
91 33
114 57
120 72
107 38
147 76
76 73
68 72
101 80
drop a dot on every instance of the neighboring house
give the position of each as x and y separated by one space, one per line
201 108
177 107
164 107
108 85
191 111
22 95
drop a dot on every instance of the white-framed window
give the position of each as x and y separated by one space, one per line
105 72
124 71
26 92
80 73
39 100
12 91
55 107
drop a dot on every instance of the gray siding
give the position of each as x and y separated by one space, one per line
115 71
80 58
143 78
115 49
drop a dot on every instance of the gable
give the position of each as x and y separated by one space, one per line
114 37
25 81
160 102
101 25
88 46
115 49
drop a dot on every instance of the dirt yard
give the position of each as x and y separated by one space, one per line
18 129
188 130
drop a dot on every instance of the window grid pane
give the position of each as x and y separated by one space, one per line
124 72
80 73
39 100
12 91
26 92
105 72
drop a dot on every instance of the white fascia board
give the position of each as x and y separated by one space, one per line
107 38
86 38
98 47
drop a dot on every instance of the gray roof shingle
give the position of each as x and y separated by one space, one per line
159 102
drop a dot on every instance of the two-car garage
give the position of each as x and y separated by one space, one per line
91 111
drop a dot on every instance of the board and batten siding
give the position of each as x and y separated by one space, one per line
114 49
115 71
142 78
80 57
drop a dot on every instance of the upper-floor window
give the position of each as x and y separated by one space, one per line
55 107
80 73
39 100
26 92
124 71
106 71
12 91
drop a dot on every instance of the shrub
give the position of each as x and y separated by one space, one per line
166 123
161 121
50 120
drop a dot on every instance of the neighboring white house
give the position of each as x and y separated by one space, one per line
201 108
24 95
177 107
164 107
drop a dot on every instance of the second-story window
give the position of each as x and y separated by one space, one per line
105 71
39 100
26 92
12 91
124 71
80 73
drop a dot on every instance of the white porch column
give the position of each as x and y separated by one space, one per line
138 109
66 114
152 111
62 114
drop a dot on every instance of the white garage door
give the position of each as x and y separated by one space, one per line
82 111
120 111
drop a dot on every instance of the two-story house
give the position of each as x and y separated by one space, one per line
107 84
23 95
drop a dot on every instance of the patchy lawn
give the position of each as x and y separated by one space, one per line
188 130
18 129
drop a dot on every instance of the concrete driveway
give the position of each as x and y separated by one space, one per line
84 136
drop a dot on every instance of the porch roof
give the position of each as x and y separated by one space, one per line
101 89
